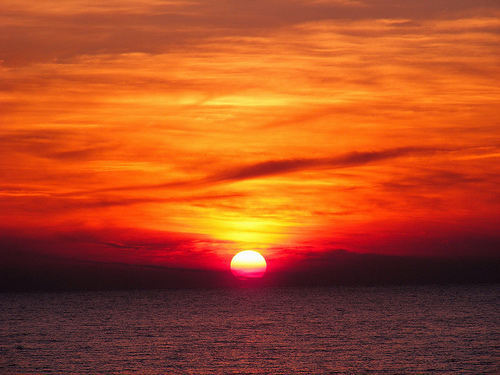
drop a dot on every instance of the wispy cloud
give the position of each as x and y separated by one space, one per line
276 167
279 167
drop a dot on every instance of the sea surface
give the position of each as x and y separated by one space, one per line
338 330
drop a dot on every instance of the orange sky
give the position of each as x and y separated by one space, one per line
182 132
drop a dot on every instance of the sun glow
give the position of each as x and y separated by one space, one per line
248 264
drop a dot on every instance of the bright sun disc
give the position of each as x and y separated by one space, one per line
248 264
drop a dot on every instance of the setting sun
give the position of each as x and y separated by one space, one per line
248 264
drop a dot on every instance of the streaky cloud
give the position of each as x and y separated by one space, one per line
279 167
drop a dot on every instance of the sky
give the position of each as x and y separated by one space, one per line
178 133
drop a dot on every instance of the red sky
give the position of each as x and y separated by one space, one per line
181 132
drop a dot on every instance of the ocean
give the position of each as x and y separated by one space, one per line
337 330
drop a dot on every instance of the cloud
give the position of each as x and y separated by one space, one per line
63 145
65 31
277 167
82 242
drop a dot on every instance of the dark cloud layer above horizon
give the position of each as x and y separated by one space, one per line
40 33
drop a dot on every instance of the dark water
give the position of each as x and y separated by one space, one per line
363 330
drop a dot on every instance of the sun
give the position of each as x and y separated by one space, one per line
248 265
